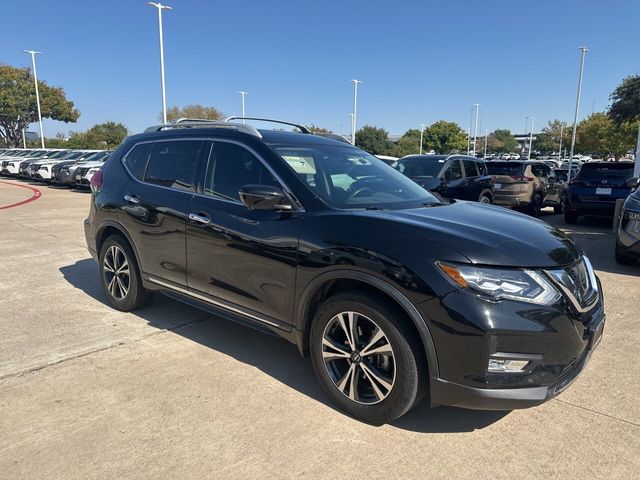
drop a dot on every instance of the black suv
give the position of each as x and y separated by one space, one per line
393 293
450 176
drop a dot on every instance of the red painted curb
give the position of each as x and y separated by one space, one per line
36 195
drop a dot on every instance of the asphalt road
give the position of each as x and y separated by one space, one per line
172 392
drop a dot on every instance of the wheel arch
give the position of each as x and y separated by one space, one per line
321 285
109 228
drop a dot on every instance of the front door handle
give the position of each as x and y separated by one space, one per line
131 199
201 219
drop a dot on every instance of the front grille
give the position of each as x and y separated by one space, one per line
81 171
578 283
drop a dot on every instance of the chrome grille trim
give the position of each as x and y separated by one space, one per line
578 283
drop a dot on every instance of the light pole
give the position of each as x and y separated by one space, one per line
560 149
421 135
468 141
243 94
475 128
161 7
24 139
355 110
533 119
33 54
486 137
583 52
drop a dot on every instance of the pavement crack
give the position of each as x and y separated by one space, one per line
597 412
85 353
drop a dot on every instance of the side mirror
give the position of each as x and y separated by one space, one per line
264 197
633 183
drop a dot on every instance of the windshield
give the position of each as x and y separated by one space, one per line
59 154
505 168
73 155
346 177
598 171
96 156
420 167
37 154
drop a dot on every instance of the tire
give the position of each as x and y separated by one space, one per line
400 360
536 205
622 258
485 197
123 290
570 218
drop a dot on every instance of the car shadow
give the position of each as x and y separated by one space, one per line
270 354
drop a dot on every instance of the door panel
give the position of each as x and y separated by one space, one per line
455 183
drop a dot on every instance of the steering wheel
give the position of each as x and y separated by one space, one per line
357 192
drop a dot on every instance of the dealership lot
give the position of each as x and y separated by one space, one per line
168 391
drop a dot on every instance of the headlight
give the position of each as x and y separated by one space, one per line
523 285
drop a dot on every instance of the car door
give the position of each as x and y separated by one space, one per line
454 183
474 185
156 202
240 259
540 171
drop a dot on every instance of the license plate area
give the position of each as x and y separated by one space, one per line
603 191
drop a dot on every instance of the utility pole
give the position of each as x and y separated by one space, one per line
33 54
161 7
355 110
475 128
583 52
533 119
421 135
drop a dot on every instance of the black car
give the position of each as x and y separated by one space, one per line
392 292
628 232
594 191
450 176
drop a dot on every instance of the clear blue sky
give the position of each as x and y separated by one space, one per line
420 61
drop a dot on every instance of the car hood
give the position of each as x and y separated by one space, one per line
485 234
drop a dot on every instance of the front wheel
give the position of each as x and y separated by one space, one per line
485 197
368 361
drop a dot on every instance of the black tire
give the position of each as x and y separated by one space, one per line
622 258
136 296
570 218
410 368
485 197
536 205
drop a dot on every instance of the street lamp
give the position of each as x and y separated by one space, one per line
583 52
486 137
33 54
161 7
355 110
468 141
421 135
560 149
243 94
533 119
475 128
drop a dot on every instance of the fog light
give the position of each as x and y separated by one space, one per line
507 366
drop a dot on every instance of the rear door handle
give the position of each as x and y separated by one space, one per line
131 199
201 219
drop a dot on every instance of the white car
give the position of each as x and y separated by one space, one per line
41 170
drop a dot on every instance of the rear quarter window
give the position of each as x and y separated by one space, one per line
136 159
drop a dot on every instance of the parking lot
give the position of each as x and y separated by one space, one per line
171 391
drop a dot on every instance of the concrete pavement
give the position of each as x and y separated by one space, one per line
170 391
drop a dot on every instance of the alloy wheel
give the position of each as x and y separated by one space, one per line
116 273
359 358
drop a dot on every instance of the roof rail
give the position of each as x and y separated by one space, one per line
204 123
302 128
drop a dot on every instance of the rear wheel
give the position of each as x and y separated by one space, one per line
485 197
368 361
120 276
622 258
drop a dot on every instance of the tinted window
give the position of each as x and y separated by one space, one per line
470 169
539 170
505 168
453 170
482 168
599 171
136 160
173 164
420 167
233 167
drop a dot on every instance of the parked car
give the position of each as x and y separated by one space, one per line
392 292
84 172
64 172
528 185
594 191
450 176
387 159
628 232
41 169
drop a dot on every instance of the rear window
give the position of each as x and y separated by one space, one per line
505 168
592 171
420 167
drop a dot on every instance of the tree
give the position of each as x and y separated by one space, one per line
548 140
444 137
502 141
599 135
192 111
373 140
408 144
316 129
625 106
108 134
18 107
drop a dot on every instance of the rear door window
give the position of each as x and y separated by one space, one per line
470 169
454 170
173 164
540 171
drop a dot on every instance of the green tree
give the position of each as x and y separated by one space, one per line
502 141
18 107
444 137
408 144
108 134
548 140
373 140
192 111
316 129
625 101
599 135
